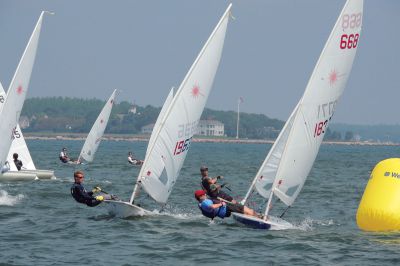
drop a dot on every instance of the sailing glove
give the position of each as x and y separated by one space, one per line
99 198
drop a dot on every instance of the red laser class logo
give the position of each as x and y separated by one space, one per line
333 76
20 90
195 92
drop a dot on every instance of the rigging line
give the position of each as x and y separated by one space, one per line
283 213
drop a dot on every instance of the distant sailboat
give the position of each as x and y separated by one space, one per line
19 146
96 133
13 103
175 126
288 163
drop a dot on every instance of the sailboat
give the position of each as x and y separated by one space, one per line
175 126
93 139
14 101
288 163
19 146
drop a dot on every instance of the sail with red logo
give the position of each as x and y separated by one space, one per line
175 127
15 98
20 147
288 163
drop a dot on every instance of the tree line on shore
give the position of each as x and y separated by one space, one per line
64 114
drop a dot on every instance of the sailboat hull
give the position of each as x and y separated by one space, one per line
41 174
273 223
122 209
17 176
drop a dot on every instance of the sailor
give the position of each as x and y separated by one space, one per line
64 156
213 189
18 163
222 209
80 194
133 160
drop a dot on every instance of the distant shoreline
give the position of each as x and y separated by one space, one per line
145 138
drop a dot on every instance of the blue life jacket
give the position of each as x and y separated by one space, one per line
207 213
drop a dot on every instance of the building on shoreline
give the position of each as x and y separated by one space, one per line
210 128
147 129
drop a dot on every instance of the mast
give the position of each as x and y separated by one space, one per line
237 121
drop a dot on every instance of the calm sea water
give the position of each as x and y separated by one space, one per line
40 223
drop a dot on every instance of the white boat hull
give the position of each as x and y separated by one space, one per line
272 223
122 209
17 176
41 174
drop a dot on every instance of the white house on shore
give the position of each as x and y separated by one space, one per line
205 128
211 128
147 129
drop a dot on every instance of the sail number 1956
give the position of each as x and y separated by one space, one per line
185 133
182 146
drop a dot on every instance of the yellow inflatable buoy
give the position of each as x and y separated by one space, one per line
379 208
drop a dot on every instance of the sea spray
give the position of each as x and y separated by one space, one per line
9 200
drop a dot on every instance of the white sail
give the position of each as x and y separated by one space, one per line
303 133
160 117
267 172
96 133
18 145
167 153
16 93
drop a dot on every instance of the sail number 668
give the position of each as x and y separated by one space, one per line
349 41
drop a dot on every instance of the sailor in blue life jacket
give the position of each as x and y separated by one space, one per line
80 194
212 188
211 210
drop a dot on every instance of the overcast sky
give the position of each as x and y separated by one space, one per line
144 47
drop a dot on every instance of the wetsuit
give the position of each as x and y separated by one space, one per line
18 164
80 194
214 194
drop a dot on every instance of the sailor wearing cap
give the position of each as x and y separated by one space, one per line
212 188
211 210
